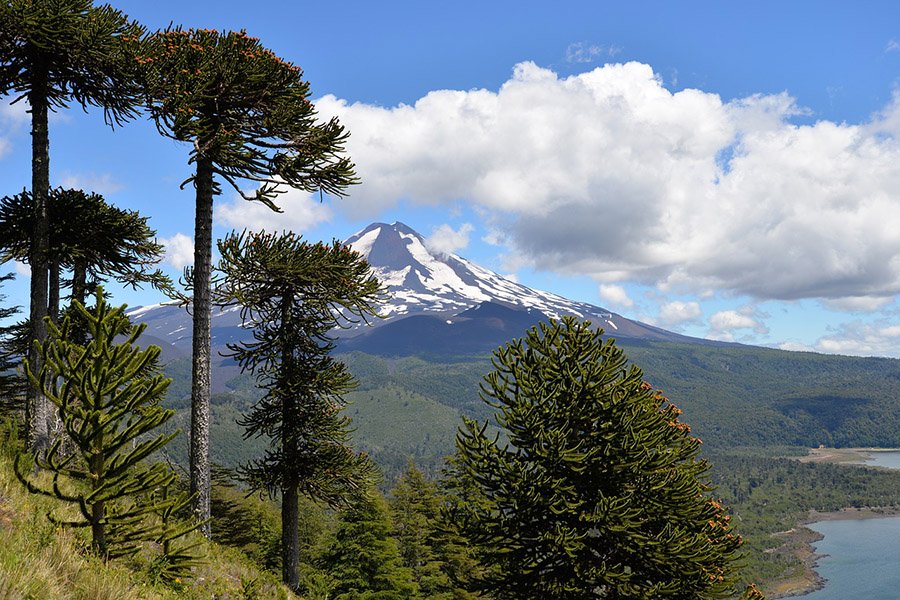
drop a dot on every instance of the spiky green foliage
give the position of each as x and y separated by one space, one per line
292 293
106 394
245 110
69 51
53 53
364 559
599 492
247 115
88 237
178 556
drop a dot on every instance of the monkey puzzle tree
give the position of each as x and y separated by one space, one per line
599 492
54 53
291 294
88 237
107 394
247 116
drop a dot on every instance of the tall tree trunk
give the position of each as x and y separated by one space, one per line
290 537
200 475
39 406
53 290
79 280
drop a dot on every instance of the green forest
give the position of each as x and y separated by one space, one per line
564 465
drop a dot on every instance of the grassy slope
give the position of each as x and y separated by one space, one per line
39 560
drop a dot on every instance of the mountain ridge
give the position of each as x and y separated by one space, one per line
442 291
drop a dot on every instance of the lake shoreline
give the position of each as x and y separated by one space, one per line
800 539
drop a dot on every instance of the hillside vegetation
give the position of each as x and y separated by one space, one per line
732 397
42 561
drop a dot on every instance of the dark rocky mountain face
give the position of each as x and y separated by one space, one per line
437 304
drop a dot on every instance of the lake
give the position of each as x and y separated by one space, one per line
862 562
862 555
889 459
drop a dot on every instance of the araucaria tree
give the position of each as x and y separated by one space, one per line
598 491
88 237
249 121
54 53
291 294
107 393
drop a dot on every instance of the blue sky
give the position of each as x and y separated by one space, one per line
726 170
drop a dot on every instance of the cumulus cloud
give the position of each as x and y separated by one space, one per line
301 211
100 183
446 240
179 250
724 324
676 313
881 338
615 295
609 174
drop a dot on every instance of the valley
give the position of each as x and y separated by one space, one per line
419 368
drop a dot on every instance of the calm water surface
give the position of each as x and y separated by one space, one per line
863 556
889 459
863 559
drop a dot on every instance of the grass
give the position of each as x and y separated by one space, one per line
41 561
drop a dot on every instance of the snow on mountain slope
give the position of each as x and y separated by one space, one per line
419 280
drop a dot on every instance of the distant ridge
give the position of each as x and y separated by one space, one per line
437 304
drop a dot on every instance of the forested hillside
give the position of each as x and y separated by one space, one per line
732 396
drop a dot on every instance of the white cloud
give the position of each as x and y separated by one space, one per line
495 237
22 269
301 211
609 174
13 120
731 319
860 338
102 183
892 46
675 313
724 324
615 295
179 250
446 240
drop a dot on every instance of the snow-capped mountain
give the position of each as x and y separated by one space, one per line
436 303
421 280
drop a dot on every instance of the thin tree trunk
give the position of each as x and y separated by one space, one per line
200 382
39 406
290 537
